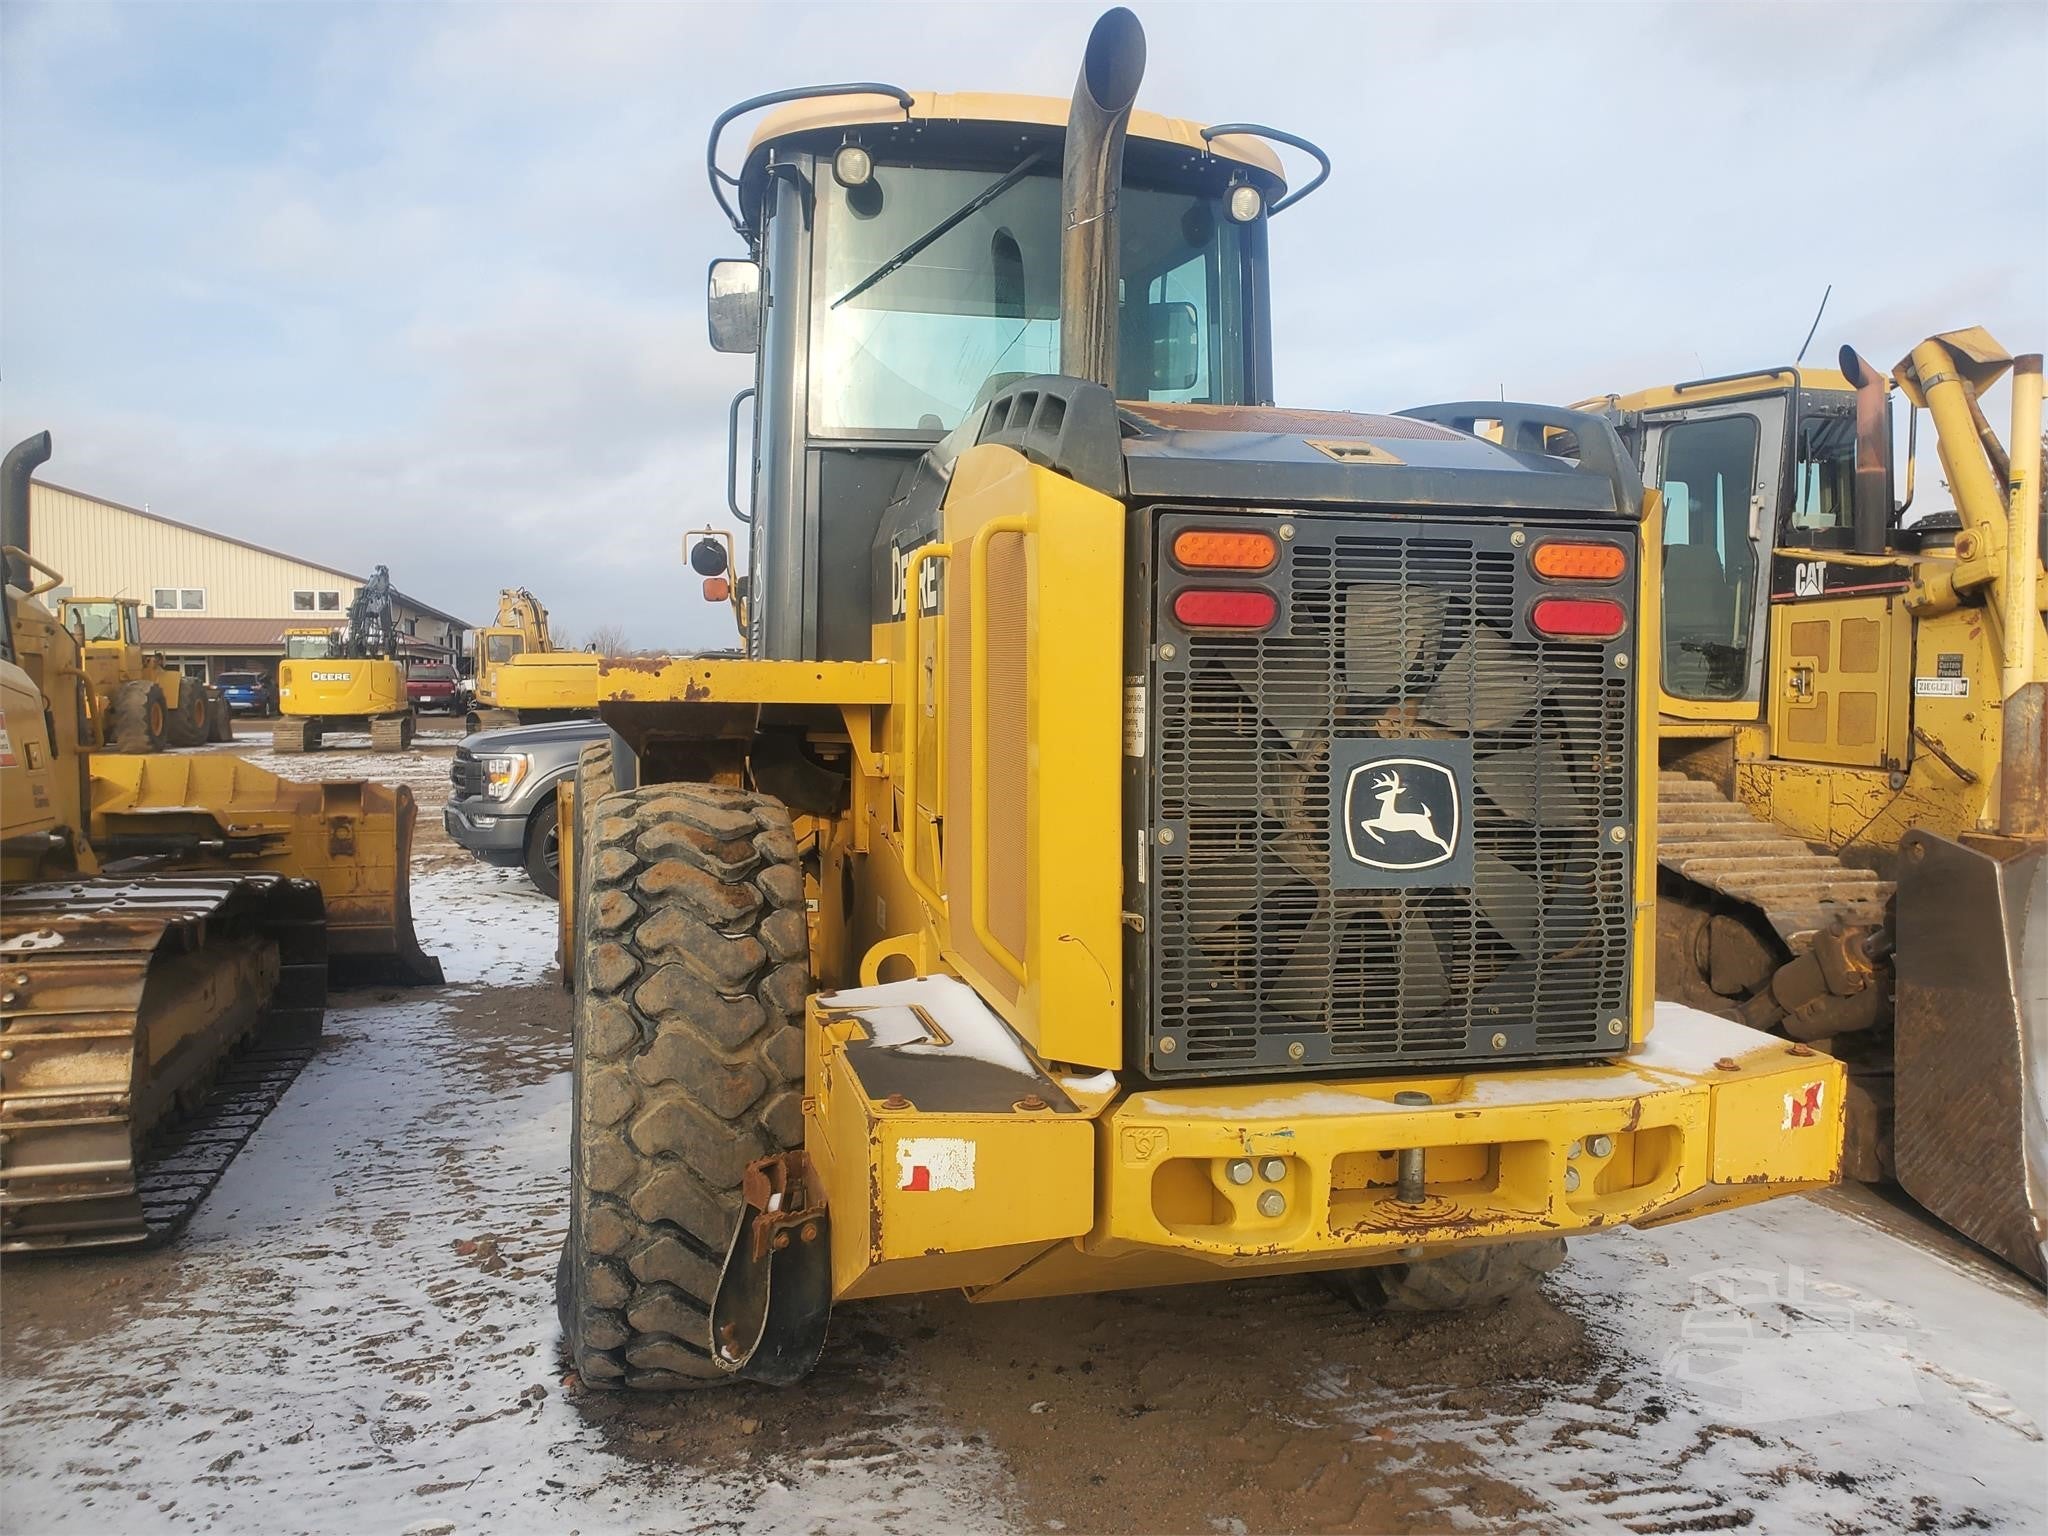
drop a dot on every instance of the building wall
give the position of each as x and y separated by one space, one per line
108 551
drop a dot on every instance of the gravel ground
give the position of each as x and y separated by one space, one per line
357 1334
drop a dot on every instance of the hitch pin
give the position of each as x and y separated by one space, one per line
1408 1184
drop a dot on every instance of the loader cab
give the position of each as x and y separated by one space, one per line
904 256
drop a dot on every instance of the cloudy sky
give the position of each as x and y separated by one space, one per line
422 285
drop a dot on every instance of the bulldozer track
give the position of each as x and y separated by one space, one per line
161 1014
1723 847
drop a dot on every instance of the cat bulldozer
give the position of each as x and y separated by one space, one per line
168 927
138 703
1853 768
351 679
1151 836
521 679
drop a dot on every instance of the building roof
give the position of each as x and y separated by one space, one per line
275 554
183 634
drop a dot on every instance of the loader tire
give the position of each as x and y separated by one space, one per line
692 968
1458 1282
187 724
139 721
543 850
220 720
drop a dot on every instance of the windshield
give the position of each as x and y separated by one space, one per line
911 350
499 648
99 621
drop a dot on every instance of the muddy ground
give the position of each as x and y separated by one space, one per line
357 1334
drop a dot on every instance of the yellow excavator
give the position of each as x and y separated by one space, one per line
168 926
1854 775
521 678
139 704
350 679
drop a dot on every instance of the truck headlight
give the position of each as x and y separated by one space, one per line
504 774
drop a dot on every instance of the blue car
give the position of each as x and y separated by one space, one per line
247 693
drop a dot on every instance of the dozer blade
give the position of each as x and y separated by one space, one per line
1972 1040
351 837
147 1024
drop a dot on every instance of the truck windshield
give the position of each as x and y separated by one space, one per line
912 348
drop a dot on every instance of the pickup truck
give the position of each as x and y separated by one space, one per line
431 686
501 805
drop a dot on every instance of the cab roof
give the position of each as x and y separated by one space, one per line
1733 386
826 113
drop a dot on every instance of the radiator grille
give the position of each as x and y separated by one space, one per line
466 774
1395 634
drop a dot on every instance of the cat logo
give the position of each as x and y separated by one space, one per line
1810 578
1401 813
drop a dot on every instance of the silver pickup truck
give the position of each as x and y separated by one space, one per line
502 805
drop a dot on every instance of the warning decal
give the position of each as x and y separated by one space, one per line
6 744
934 1162
1802 1109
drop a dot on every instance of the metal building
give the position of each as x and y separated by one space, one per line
217 603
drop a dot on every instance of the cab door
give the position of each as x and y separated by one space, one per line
1717 466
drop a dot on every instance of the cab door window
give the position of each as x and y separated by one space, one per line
1708 474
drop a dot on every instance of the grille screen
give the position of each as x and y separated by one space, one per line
1274 948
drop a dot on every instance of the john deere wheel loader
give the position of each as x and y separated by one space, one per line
1152 836
1854 777
167 928
346 680
521 679
138 703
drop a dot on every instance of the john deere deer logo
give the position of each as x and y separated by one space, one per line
1401 813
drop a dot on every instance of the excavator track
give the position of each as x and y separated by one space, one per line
1720 846
147 1024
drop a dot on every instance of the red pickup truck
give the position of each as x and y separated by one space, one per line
430 685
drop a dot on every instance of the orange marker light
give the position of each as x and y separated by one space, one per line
1579 562
1214 549
716 589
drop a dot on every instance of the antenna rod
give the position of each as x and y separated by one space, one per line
1814 327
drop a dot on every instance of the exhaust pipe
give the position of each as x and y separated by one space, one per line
1871 492
1090 178
21 462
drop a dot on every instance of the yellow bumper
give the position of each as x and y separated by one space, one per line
1088 1187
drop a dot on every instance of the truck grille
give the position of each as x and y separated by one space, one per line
466 774
1274 948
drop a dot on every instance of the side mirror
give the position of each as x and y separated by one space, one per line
1168 345
732 305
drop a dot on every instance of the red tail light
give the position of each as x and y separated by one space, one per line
1214 608
1578 618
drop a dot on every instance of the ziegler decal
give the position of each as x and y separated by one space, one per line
1941 687
934 1162
1802 1109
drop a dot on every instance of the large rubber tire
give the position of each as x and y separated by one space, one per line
138 721
187 727
1457 1282
542 851
220 719
691 972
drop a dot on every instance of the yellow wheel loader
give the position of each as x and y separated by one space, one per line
346 680
1853 772
521 679
1151 836
139 704
168 925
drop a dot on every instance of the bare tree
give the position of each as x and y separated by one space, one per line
607 640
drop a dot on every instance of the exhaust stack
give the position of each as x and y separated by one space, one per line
1090 179
1871 492
20 463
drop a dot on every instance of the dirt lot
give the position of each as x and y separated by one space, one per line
356 1333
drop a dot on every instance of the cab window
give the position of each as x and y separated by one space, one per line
1708 474
500 648
1824 478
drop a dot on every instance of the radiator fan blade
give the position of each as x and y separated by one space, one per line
1486 684
1510 899
1388 628
1533 784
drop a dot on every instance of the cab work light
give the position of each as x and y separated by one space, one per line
1578 618
1214 549
1216 608
1561 561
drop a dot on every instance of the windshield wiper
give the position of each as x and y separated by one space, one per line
965 211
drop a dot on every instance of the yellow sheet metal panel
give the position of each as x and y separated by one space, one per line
698 680
544 680
349 689
1050 755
